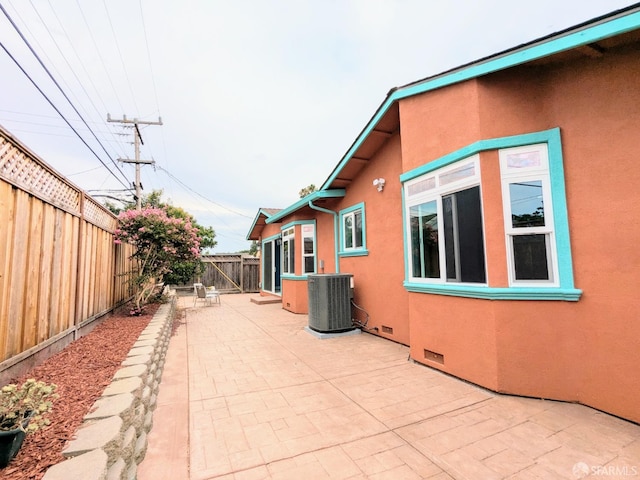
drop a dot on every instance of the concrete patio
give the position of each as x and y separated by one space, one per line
247 393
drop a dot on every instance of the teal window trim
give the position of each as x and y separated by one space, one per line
359 251
492 293
566 289
271 238
297 222
289 276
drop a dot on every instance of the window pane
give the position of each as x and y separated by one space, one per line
470 236
308 265
524 159
268 267
424 240
527 209
292 262
450 218
530 257
464 240
422 186
357 215
459 173
285 255
308 245
348 231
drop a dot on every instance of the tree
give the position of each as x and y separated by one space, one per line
307 190
181 271
160 242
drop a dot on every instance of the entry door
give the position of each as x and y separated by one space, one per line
271 266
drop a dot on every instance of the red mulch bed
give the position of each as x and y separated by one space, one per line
82 371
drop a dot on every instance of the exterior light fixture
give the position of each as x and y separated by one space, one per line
379 183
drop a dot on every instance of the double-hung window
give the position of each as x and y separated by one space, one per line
528 215
288 251
308 248
444 225
353 231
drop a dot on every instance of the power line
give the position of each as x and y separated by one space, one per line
200 195
64 30
63 93
121 59
146 42
106 70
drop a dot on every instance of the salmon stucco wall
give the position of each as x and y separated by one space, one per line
584 351
378 276
295 297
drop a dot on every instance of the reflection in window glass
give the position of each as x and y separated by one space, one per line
348 231
358 228
527 208
308 245
424 240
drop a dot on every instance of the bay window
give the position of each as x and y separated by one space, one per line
445 228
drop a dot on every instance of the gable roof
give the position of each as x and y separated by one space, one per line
260 221
583 39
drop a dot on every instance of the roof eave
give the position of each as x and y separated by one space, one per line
304 201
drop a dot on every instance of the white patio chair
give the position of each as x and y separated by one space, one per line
206 294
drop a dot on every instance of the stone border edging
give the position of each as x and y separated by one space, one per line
112 439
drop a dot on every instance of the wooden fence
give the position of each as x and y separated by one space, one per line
231 273
59 266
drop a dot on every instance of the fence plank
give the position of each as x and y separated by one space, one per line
44 288
6 251
34 247
18 285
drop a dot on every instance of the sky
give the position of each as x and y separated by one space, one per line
258 98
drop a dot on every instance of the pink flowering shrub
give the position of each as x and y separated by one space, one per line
160 241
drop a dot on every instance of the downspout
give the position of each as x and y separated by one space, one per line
335 230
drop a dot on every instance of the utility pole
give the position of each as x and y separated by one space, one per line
137 140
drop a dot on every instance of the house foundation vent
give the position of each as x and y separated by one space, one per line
330 302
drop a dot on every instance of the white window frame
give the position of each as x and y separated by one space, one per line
308 231
350 212
433 186
536 170
288 258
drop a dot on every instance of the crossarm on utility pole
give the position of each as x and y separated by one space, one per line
137 140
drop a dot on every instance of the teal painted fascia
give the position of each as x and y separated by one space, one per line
546 48
541 49
303 202
255 221
560 216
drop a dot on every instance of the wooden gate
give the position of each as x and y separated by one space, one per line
231 273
